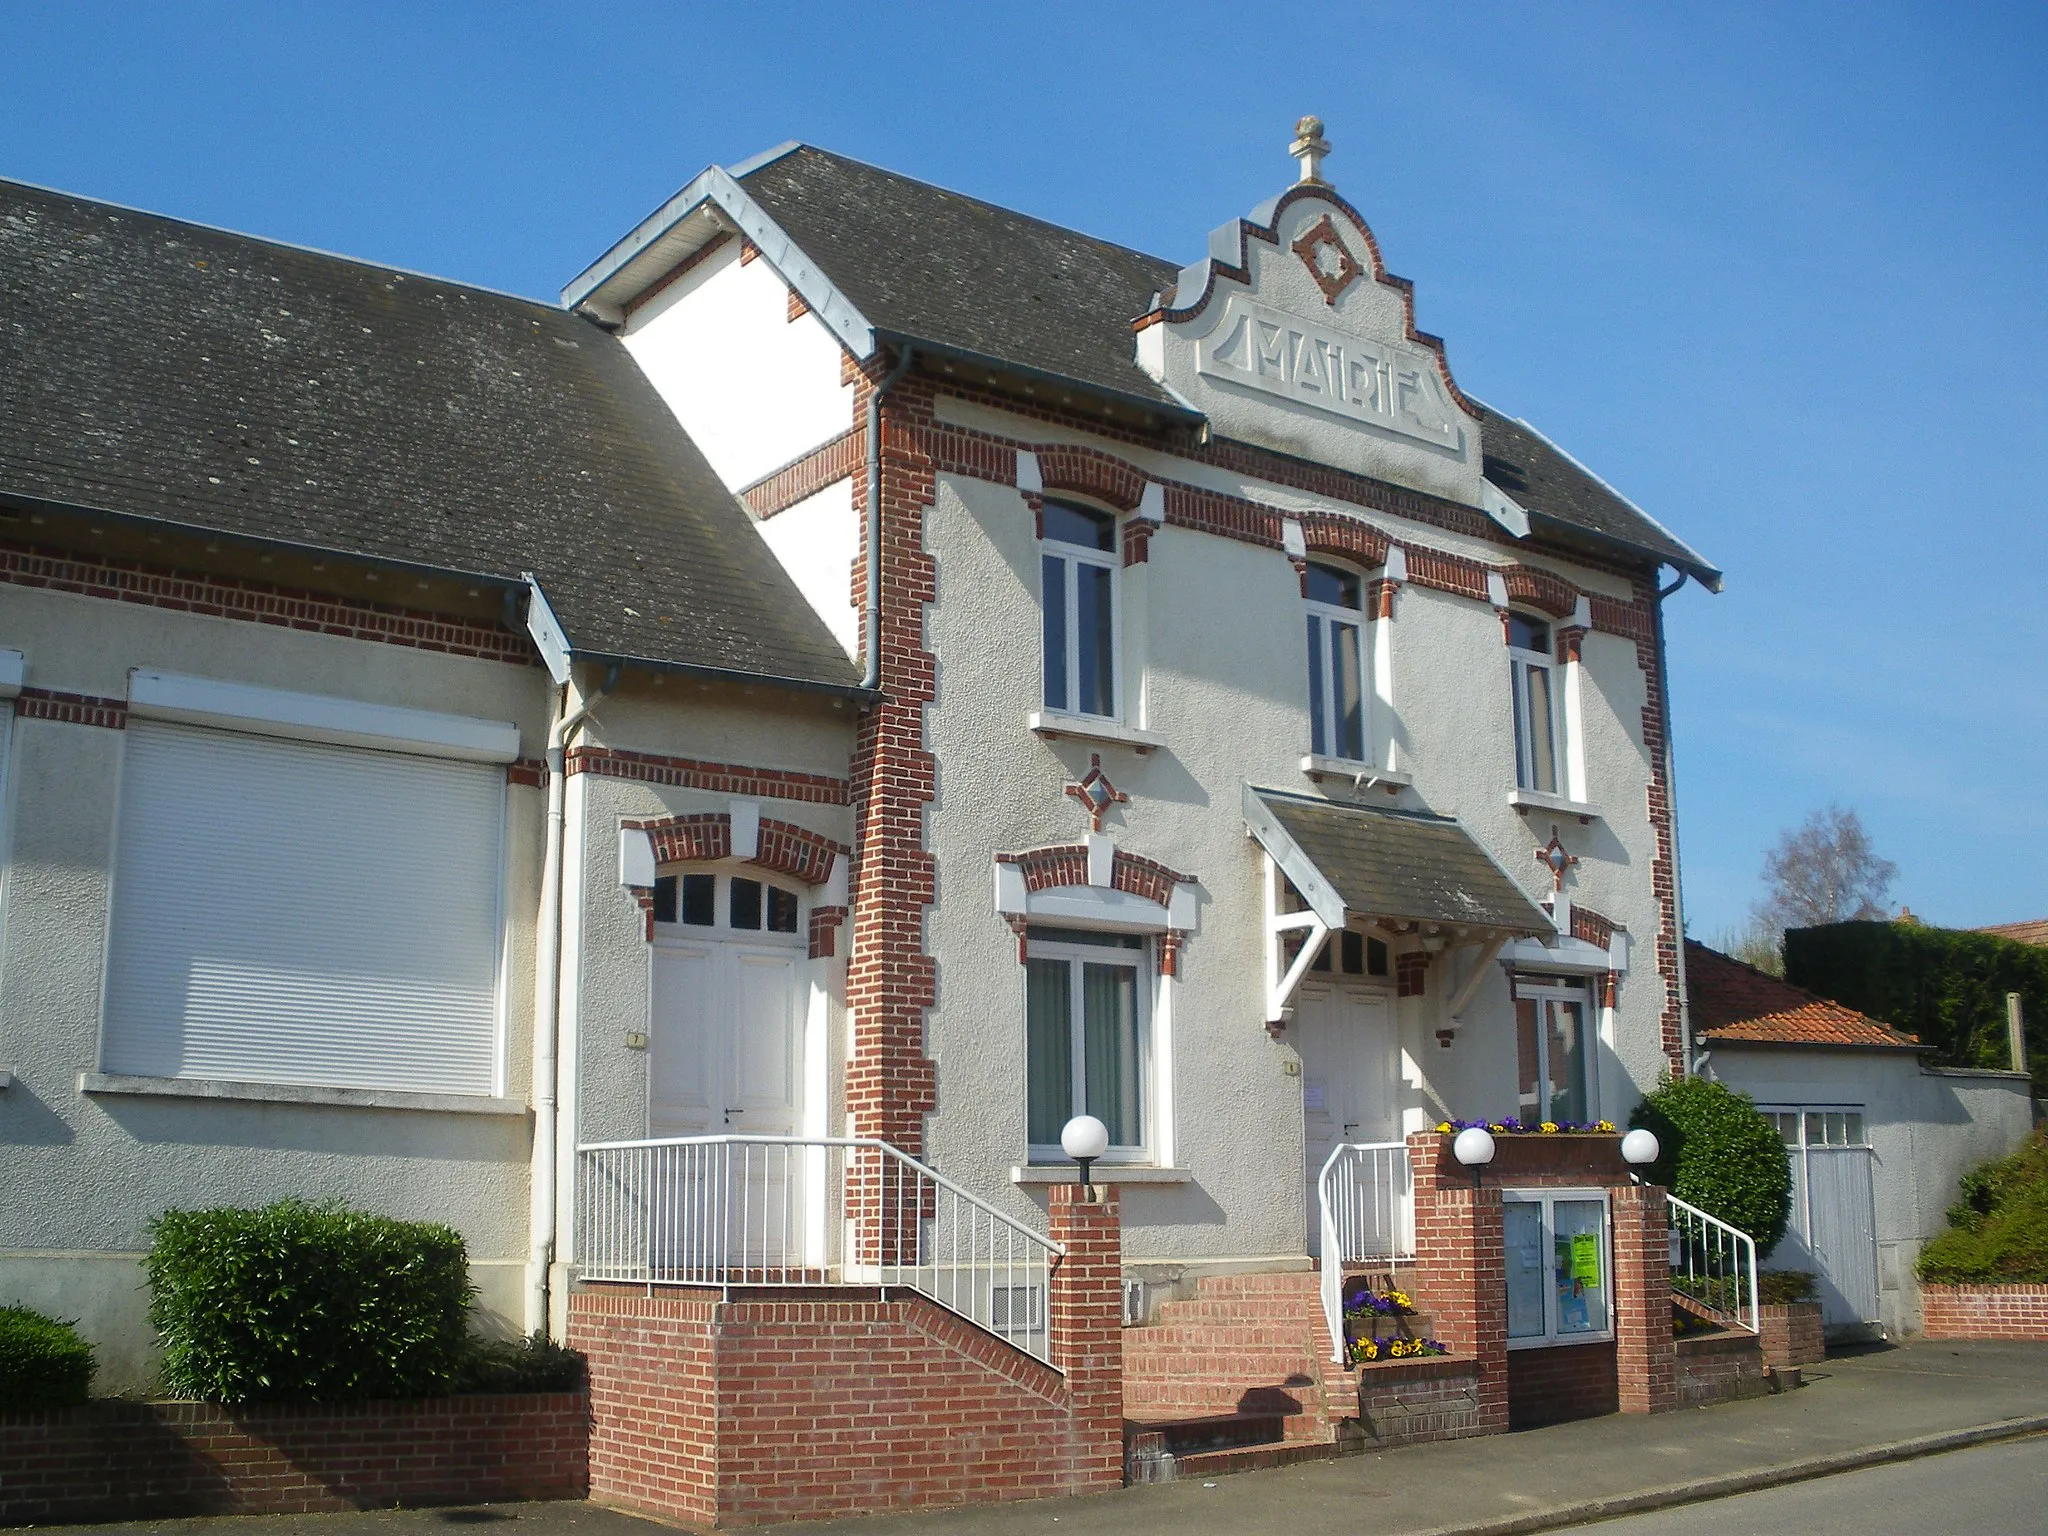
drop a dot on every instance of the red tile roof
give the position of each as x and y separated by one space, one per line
2035 932
1739 1004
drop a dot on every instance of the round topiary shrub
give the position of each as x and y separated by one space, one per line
43 1362
1718 1152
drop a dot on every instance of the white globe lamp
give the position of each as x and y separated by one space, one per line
1084 1138
1639 1148
1474 1148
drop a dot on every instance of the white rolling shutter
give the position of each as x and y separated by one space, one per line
305 914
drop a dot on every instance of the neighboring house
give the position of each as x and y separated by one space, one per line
2035 932
275 811
1878 1138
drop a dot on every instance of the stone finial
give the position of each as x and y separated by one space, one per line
1309 147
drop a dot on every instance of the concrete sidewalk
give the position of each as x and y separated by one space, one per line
1880 1405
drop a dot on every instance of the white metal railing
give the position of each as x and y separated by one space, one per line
816 1210
1713 1263
1366 1195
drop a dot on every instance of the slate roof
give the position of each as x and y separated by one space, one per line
1740 1005
1408 865
2035 932
229 384
960 275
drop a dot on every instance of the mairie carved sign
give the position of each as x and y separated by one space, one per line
1307 363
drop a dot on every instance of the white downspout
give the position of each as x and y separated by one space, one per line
547 993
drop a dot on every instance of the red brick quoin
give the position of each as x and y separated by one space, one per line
806 1405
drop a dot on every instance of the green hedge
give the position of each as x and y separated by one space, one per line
1716 1151
43 1363
1998 1231
307 1303
1946 985
535 1364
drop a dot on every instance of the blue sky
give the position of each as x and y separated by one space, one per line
1774 271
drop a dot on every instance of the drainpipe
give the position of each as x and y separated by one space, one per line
547 990
871 640
1671 804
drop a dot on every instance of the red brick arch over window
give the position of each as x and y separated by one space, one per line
1090 472
1066 864
784 849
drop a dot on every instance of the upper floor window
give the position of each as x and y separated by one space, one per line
1532 666
1336 663
739 904
1079 592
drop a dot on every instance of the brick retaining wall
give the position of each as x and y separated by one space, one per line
1719 1367
1402 1402
1984 1311
125 1461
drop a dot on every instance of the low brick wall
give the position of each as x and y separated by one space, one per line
1401 1402
1568 1381
1984 1311
129 1461
1792 1335
1718 1368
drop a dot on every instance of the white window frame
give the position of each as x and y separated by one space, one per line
1548 1199
1522 659
1543 991
722 931
1800 1112
1141 961
1069 598
1323 710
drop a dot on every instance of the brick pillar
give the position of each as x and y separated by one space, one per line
1084 1313
1645 1352
1461 1269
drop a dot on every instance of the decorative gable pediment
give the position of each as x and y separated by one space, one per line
1292 335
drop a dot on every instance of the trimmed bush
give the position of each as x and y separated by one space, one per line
1782 1287
43 1362
1718 1152
306 1303
1946 985
1998 1231
534 1364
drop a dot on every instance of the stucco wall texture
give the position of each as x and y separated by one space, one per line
1212 658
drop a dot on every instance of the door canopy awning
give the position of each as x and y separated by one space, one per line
1411 871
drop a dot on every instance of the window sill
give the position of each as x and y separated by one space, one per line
295 1093
1536 800
1101 1173
1050 723
1392 780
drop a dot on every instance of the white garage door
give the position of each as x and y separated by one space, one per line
293 913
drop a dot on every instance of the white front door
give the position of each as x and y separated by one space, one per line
1345 1034
727 1042
726 1058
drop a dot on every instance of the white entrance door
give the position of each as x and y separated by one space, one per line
1345 1034
726 1058
1833 1227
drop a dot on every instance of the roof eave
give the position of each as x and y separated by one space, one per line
1722 1042
852 692
1145 404
1707 575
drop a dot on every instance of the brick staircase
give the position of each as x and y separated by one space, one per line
1247 1354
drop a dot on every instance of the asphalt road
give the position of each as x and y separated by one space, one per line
1990 1490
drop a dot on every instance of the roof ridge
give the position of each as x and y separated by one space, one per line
276 243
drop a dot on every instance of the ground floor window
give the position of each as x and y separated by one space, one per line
1085 1035
1559 1267
295 912
1553 1049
